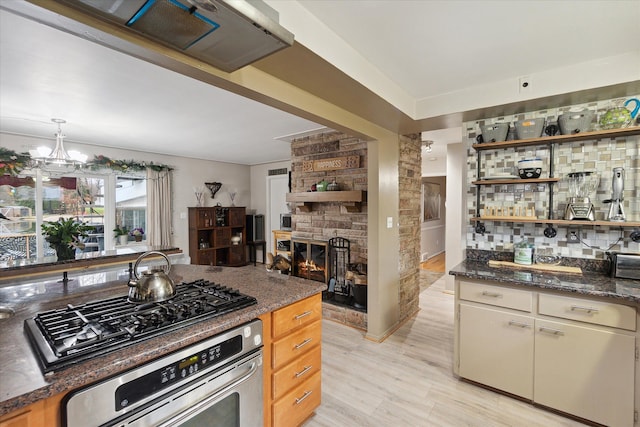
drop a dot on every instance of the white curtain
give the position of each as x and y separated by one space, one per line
159 207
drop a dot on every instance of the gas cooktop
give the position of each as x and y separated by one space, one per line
69 335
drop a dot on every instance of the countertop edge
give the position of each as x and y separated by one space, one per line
589 283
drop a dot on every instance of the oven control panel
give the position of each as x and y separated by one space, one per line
139 388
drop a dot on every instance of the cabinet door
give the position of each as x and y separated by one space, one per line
585 371
236 217
496 349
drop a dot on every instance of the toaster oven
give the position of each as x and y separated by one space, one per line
624 265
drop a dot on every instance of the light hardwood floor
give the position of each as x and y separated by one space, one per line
435 263
407 380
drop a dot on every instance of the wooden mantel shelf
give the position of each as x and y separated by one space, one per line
351 200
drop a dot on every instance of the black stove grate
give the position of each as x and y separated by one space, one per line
68 335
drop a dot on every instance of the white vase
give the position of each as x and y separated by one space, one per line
123 239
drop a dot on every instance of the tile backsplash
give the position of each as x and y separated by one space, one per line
597 156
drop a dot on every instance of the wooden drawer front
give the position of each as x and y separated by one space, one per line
296 372
296 344
497 295
297 405
596 312
298 314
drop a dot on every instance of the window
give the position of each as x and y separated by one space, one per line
24 207
131 203
18 221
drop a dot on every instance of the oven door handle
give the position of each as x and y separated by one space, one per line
195 409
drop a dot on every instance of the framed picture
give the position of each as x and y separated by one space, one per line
430 201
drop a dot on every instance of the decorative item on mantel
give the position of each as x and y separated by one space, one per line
213 187
199 192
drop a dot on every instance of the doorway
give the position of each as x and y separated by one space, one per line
277 189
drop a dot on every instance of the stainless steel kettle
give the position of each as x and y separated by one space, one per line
154 285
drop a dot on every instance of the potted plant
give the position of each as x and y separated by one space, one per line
137 234
64 236
121 233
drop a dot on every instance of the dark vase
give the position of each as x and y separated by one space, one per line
138 238
65 252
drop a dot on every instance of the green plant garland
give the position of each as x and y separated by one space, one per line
12 163
124 165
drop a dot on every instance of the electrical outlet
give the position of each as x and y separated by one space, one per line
573 237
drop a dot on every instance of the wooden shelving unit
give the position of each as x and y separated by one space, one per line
211 231
560 221
351 200
583 136
551 141
515 181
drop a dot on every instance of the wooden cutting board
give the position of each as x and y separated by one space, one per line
541 267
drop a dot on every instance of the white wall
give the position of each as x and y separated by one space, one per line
456 216
188 173
259 175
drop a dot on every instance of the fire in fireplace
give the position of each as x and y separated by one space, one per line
310 260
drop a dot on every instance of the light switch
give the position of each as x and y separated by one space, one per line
389 222
183 215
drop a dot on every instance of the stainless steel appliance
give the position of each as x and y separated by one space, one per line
616 211
581 186
74 333
624 265
227 34
217 382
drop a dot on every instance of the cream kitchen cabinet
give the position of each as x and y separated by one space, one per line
585 371
573 354
496 349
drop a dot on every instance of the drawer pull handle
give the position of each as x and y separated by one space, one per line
551 331
305 314
581 308
491 294
303 343
306 394
519 324
304 371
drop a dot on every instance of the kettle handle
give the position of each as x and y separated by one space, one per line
146 254
634 113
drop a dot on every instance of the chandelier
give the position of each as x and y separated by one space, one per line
426 146
58 156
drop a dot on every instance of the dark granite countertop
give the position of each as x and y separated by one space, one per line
21 377
46 265
589 283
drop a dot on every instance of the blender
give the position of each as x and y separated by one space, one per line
616 213
581 186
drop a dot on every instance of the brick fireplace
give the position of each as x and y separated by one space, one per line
321 221
326 220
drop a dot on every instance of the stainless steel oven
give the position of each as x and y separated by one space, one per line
217 382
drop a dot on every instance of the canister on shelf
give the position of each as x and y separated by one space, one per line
523 253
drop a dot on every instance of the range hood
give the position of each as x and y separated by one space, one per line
227 34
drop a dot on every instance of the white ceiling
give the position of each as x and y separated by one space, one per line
425 47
